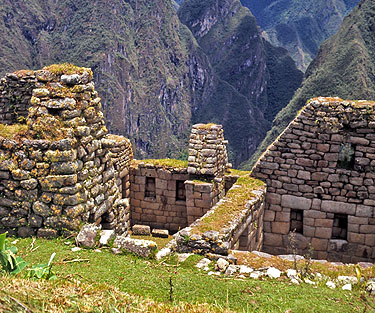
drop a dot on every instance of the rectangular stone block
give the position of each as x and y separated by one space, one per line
280 228
323 222
356 238
273 198
323 232
364 211
293 202
338 207
319 244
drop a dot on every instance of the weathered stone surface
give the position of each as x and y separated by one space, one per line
162 233
87 235
143 248
338 207
105 236
141 230
293 202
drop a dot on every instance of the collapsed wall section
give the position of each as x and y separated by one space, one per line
320 182
64 169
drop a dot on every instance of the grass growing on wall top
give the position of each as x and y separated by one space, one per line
99 281
235 201
164 162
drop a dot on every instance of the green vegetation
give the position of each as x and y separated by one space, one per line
236 198
10 263
10 131
90 281
66 69
164 162
244 103
300 26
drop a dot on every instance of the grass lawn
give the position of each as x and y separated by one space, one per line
108 278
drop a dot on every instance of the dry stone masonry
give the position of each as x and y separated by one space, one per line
320 182
64 170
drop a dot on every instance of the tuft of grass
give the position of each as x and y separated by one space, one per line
164 162
66 69
9 131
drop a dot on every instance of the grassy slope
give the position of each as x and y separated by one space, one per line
300 26
94 282
344 67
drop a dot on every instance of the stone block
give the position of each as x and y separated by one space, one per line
269 216
323 222
143 248
274 240
273 198
141 230
282 216
364 211
338 207
319 244
280 227
293 202
162 233
356 238
323 232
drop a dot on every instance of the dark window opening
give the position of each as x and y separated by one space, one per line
296 221
340 226
180 190
150 189
346 156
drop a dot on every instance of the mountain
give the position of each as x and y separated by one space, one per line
344 67
138 51
154 77
252 79
300 26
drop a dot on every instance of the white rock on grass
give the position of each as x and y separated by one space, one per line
273 272
294 281
203 263
291 273
331 284
75 249
183 256
213 273
256 274
231 270
222 264
87 235
105 236
347 287
245 269
347 279
143 248
308 281
163 253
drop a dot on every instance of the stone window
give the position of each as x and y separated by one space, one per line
346 156
180 190
150 187
296 221
340 226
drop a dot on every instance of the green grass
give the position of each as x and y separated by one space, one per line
150 279
164 162
236 198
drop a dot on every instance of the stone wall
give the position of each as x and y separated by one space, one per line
154 196
66 170
207 151
241 230
201 197
15 94
320 177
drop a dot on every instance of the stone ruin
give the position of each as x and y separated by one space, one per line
63 169
60 170
320 177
